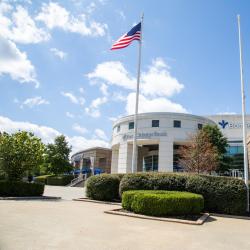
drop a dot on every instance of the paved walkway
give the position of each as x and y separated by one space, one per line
66 225
67 193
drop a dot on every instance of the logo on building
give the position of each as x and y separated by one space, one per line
223 124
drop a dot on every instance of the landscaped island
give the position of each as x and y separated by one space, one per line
221 194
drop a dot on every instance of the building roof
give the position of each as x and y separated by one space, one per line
149 114
90 149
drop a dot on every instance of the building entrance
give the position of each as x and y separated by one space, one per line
148 157
150 163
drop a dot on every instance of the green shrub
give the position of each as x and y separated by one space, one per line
41 179
163 203
128 196
140 181
2 176
221 194
19 188
103 187
120 176
59 180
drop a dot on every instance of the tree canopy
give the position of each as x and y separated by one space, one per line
199 155
57 156
216 138
19 152
220 142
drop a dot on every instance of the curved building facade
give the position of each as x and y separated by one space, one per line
158 138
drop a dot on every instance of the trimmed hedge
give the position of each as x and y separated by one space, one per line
221 194
19 188
59 180
104 187
162 203
41 179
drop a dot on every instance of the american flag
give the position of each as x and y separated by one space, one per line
125 40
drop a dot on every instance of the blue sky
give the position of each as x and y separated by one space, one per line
57 74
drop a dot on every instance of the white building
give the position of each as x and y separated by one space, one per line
159 136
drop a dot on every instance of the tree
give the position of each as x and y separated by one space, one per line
199 155
57 156
216 138
19 152
220 142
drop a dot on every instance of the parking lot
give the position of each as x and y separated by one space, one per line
79 225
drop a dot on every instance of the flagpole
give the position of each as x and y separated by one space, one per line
134 155
243 115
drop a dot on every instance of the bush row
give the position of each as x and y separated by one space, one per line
104 187
162 203
221 194
19 188
60 180
41 179
54 180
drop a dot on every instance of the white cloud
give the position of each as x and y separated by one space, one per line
56 16
73 98
5 7
48 134
104 89
156 86
226 113
91 8
35 101
101 134
81 143
159 104
79 129
20 28
15 63
113 73
70 115
117 96
112 119
93 109
121 14
81 90
58 53
157 81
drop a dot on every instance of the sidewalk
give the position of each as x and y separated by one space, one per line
67 193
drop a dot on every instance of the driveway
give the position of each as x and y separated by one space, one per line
81 225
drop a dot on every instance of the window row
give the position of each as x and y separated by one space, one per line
156 124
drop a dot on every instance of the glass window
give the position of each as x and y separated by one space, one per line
233 150
155 123
150 163
177 124
240 150
200 126
131 125
118 128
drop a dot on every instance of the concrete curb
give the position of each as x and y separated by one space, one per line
231 216
96 201
200 221
30 198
